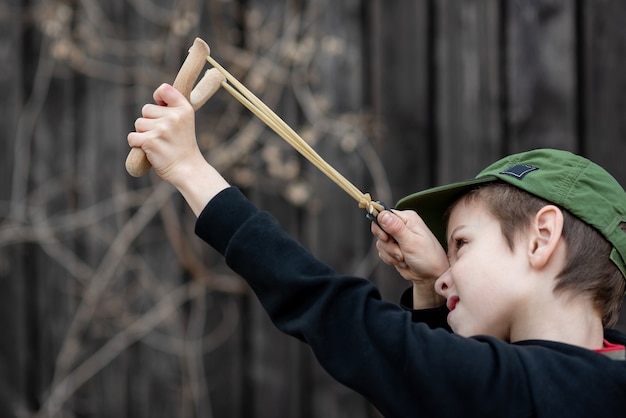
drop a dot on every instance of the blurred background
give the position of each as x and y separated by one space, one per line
111 307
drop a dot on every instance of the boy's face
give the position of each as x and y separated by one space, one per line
484 286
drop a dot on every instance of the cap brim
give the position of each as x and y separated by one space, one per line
432 204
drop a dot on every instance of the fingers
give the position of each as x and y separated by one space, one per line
134 139
146 129
398 224
378 232
388 249
389 252
389 223
143 124
153 111
167 95
158 119
143 132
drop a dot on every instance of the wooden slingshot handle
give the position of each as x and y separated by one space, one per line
137 163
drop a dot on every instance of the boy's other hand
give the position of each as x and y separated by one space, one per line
405 242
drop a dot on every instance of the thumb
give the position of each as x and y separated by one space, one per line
391 223
167 95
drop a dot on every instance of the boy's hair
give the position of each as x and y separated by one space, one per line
588 269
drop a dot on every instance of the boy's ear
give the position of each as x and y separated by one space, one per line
546 230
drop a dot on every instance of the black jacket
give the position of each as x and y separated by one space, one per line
403 367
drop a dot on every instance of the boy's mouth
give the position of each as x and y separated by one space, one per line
451 302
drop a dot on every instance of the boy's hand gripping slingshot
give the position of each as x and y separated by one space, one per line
137 163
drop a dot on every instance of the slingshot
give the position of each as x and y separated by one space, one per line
137 163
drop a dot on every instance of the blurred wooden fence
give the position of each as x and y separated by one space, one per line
110 307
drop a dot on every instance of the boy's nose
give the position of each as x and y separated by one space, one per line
443 283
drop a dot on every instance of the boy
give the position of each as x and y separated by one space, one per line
526 308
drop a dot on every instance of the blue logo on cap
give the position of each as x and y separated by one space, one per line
519 171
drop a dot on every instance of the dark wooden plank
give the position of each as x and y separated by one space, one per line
541 75
14 347
56 273
41 188
603 82
320 44
272 373
468 116
401 144
100 128
399 48
336 231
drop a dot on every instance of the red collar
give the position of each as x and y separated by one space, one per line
614 351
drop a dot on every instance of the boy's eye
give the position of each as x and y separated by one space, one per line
458 243
455 247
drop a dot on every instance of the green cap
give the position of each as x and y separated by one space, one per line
570 181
